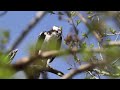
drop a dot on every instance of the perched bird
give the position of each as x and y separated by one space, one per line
11 55
47 40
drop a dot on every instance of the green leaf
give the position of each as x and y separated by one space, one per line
92 45
90 17
4 37
84 45
108 39
76 58
112 31
6 72
78 22
72 13
85 35
87 55
4 41
6 34
89 12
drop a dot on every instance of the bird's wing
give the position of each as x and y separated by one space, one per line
40 41
57 48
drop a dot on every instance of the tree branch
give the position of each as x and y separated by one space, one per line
52 70
112 43
82 68
88 25
23 62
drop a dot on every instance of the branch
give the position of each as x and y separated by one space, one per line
75 29
109 34
88 25
81 17
82 68
30 26
112 43
23 62
52 70
44 75
117 37
92 75
105 73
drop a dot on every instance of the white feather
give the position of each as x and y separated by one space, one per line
56 28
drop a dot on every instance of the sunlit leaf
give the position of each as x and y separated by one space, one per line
91 45
85 35
4 41
6 34
72 13
6 72
108 39
84 45
89 12
90 17
112 31
78 22
87 55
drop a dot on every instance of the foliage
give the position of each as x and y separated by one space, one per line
98 29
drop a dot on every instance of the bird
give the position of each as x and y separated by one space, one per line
47 40
11 55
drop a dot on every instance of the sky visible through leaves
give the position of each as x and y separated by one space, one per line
16 21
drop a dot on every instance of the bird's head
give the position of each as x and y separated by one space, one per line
56 30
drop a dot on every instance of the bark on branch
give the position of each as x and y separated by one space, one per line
82 68
23 62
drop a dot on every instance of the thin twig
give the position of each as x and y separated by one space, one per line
81 69
109 34
81 17
112 43
92 75
117 37
115 61
105 73
88 25
75 29
30 26
57 72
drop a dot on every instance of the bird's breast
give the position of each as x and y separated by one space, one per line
49 43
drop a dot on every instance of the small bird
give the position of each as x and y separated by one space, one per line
11 55
47 40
